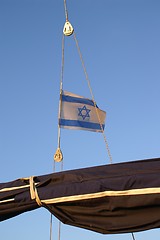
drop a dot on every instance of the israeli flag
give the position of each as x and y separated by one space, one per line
80 113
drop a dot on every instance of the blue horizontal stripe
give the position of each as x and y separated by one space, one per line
80 124
66 98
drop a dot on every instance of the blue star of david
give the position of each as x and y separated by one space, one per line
84 112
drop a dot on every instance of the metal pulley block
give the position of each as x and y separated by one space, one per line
58 157
68 29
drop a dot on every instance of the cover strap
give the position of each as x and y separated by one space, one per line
34 192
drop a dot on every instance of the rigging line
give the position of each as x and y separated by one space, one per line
133 237
59 131
59 224
51 218
58 157
89 85
59 230
61 86
51 227
66 12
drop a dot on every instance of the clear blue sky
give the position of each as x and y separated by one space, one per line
120 44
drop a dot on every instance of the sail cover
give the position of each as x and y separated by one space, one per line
116 198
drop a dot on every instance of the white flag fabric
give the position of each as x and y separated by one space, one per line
80 113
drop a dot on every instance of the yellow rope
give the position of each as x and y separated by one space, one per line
34 192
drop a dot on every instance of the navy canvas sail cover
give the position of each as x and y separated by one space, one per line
117 198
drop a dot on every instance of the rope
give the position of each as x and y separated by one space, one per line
66 12
59 224
100 122
89 85
59 230
91 92
61 84
51 227
33 191
60 102
133 237
59 130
